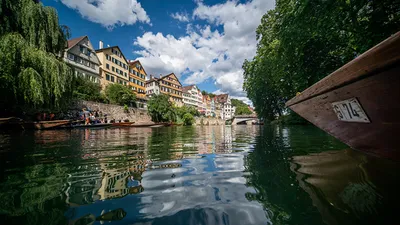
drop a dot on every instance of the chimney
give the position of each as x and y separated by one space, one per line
151 77
100 44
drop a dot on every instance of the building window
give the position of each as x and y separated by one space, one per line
70 56
107 77
125 74
112 79
83 49
107 57
107 66
92 65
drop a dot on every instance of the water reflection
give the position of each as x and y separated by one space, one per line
188 175
347 182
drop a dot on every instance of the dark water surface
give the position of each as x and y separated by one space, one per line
192 175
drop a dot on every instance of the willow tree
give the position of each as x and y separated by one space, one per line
32 43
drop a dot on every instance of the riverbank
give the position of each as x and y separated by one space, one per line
112 111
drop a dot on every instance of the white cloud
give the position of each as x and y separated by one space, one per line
183 17
110 13
206 52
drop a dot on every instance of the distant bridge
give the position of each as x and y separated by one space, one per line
242 118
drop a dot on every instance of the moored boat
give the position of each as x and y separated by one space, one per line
97 125
44 125
11 123
123 124
359 103
151 125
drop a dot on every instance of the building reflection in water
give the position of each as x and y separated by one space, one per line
192 175
118 168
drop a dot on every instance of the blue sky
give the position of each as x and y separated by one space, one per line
203 42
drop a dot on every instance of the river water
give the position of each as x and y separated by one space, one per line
192 176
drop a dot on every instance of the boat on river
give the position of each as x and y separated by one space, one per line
123 124
359 103
153 125
10 122
97 125
45 125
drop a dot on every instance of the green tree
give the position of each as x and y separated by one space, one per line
120 94
241 107
188 119
84 89
161 109
181 111
300 42
32 74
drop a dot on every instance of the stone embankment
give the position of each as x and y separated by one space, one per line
209 121
113 111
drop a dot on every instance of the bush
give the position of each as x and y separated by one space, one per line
120 95
188 119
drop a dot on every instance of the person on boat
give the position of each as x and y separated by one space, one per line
92 118
52 115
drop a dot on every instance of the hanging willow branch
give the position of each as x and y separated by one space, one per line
32 76
31 45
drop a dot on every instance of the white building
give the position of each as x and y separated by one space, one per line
224 104
152 87
82 57
192 97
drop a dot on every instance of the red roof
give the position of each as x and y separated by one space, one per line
75 41
187 88
222 98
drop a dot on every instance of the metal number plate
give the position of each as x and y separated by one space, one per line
350 110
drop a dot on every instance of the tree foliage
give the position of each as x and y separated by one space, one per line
161 109
188 119
207 93
300 42
31 41
84 89
181 111
241 107
120 94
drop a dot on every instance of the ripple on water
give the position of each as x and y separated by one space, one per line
188 175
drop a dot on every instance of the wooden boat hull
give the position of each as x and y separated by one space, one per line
152 125
374 80
123 124
99 125
44 125
11 123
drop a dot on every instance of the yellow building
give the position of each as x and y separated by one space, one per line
114 66
170 85
137 81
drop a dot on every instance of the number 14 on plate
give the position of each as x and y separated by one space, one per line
350 110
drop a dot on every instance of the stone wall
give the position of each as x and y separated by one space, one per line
113 111
209 121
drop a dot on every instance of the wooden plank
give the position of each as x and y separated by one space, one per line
382 56
379 96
